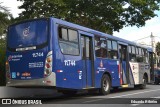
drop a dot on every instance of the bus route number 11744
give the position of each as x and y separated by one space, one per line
38 54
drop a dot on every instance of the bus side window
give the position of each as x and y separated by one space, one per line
97 46
63 34
73 36
68 41
115 49
109 46
133 53
137 54
100 47
87 48
145 57
140 55
130 53
83 49
112 49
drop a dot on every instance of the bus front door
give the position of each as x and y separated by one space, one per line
87 60
124 64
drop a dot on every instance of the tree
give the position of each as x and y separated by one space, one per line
103 15
158 48
5 20
5 17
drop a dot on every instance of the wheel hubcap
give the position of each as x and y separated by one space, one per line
144 82
105 85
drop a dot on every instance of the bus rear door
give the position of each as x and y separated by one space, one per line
124 64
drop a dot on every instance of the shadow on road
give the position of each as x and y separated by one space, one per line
50 95
81 96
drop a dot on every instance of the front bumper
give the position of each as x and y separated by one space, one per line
48 81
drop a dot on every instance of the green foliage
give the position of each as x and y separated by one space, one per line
2 61
158 48
5 20
2 65
102 15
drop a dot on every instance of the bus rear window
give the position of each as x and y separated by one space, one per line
28 34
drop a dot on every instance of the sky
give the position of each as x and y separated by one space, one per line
136 34
12 5
130 33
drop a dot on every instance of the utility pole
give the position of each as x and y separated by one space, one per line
154 50
152 42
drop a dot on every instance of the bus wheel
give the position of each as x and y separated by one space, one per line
143 86
156 82
69 92
105 85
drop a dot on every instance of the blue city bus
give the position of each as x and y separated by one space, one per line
50 52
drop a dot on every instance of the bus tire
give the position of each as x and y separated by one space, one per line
143 85
156 82
105 85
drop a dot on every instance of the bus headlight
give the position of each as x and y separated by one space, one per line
48 64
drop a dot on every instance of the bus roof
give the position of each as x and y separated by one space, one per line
89 30
95 32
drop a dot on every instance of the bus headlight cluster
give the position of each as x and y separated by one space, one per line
48 64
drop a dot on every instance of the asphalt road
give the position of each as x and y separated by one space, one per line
120 97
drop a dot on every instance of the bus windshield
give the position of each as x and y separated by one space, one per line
27 34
